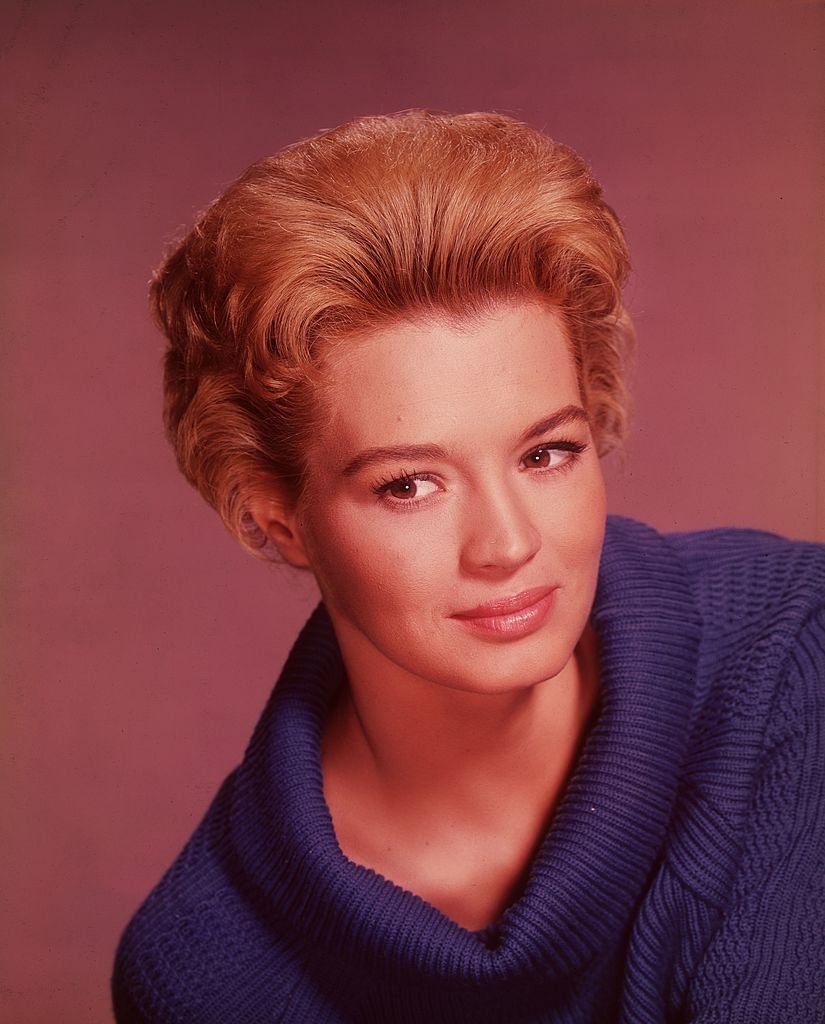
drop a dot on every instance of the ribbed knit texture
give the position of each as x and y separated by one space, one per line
682 877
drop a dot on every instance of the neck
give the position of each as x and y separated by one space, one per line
420 752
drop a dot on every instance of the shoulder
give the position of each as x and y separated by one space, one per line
761 598
191 948
758 683
744 585
748 834
756 731
745 576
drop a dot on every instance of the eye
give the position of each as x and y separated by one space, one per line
407 489
555 457
410 489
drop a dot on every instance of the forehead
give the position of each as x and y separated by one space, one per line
437 379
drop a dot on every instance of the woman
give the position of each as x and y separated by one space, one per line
525 761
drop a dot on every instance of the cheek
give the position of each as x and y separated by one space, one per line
587 517
573 529
371 564
586 551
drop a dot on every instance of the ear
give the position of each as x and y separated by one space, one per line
281 525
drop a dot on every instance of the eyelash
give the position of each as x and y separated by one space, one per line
381 487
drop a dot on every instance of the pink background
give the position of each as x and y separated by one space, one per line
140 642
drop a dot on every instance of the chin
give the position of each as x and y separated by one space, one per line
502 668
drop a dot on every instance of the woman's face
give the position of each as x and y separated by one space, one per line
493 503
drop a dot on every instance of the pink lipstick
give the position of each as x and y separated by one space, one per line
510 617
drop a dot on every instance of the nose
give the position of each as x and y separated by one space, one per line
499 534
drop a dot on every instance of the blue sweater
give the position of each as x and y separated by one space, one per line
682 877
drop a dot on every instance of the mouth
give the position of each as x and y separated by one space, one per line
505 605
510 618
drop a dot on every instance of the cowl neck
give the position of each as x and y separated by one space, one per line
600 847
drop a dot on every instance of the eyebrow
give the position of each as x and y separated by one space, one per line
409 452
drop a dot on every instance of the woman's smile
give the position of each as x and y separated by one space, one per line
511 618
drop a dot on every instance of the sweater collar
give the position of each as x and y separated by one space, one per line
605 835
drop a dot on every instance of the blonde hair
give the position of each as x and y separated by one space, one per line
412 214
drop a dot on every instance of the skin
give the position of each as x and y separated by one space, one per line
446 755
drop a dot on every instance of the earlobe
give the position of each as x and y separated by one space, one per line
282 528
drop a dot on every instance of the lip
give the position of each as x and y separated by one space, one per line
505 605
533 608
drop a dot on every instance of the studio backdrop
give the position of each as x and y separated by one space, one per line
140 642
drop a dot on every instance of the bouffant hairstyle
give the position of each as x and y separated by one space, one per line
410 215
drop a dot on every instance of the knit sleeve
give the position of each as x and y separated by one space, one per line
204 947
136 998
766 962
